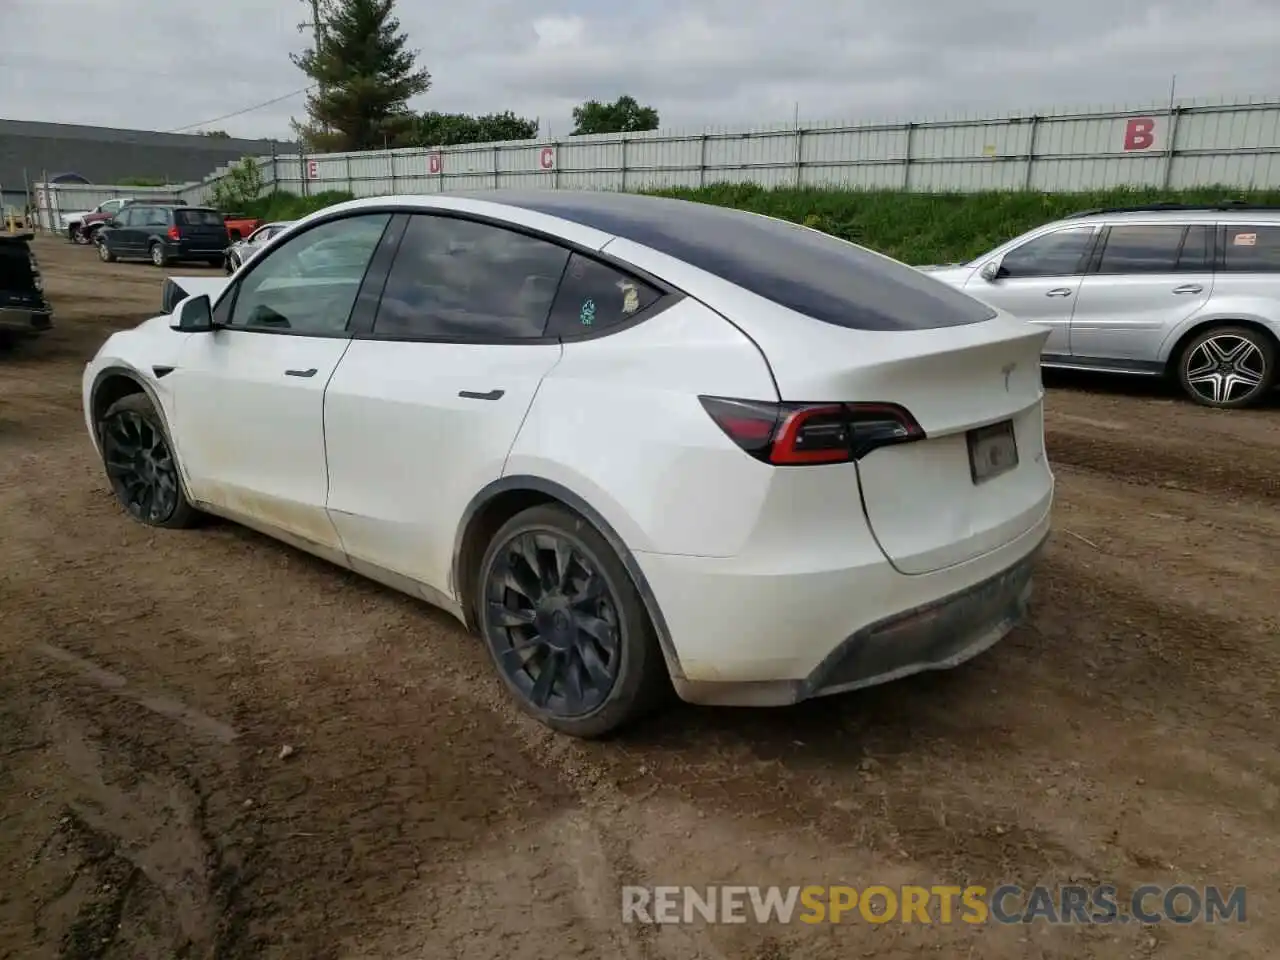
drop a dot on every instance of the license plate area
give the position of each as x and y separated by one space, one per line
993 450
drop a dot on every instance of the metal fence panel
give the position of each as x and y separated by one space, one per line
1184 144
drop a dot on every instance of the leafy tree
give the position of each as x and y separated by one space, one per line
364 78
215 134
241 186
447 129
624 115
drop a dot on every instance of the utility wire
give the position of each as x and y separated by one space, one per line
236 113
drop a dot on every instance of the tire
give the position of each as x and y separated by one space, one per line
619 659
72 231
105 255
132 437
158 257
1227 367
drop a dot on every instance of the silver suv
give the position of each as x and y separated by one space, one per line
1192 292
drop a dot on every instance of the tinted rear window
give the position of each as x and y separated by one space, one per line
195 217
805 270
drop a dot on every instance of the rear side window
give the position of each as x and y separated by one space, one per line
1154 248
456 279
1250 249
1057 254
595 296
195 217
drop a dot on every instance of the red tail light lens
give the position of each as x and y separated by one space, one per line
791 434
175 233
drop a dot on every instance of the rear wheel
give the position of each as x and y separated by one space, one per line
141 464
1227 367
565 625
158 256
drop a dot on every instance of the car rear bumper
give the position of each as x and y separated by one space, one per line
762 638
22 320
196 250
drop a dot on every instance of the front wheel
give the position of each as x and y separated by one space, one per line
104 254
1227 367
565 625
141 464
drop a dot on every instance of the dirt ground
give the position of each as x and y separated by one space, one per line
149 679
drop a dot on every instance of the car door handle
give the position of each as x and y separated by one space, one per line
1188 288
301 373
1059 292
475 395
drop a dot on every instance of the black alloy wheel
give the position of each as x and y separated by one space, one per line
564 624
141 466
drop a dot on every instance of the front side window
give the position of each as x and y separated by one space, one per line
457 279
309 283
126 216
1251 249
111 206
1056 254
1153 248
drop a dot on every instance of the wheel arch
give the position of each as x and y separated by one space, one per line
116 382
502 499
1200 326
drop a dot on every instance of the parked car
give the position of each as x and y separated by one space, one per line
83 226
24 311
627 439
1188 292
164 234
241 251
239 225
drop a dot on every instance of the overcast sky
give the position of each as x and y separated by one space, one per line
164 64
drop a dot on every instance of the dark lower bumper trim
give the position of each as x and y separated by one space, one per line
935 636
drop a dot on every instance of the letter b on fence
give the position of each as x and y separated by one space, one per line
1140 133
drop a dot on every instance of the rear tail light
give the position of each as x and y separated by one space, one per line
791 434
175 233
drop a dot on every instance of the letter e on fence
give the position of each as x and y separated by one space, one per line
435 163
1139 133
547 158
313 170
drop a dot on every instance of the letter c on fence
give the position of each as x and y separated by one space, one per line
435 163
547 158
1140 133
313 170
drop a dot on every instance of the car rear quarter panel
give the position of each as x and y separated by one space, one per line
618 422
1225 306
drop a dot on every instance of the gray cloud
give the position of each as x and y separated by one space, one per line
160 65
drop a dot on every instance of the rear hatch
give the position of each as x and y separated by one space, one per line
201 229
978 477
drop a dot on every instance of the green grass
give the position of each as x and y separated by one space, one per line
916 228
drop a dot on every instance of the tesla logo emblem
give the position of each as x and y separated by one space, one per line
1007 370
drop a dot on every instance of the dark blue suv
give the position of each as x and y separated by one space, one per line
164 234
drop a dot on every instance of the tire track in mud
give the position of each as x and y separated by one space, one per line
1214 470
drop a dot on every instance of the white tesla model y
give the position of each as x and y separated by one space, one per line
630 441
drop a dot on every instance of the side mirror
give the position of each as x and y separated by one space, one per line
194 315
990 271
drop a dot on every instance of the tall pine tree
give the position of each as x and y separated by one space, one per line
364 78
